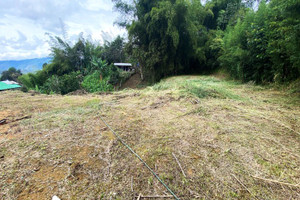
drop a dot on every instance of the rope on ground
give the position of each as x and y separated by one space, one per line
132 151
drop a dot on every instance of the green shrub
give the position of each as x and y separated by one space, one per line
31 80
51 85
92 83
114 75
26 81
70 82
62 84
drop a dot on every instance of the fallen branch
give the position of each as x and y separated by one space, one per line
139 197
155 196
2 121
5 121
278 182
179 164
25 117
131 183
243 185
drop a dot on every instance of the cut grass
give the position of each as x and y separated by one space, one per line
205 87
216 129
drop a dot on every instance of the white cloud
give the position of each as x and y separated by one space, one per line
96 5
23 24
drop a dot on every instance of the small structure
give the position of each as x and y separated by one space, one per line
10 82
8 85
124 66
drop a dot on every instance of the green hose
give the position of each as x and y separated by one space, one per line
132 151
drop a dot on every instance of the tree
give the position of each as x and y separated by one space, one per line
165 36
72 64
11 74
264 45
113 52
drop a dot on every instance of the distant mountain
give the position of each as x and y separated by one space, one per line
28 65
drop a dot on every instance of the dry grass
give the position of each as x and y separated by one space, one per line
224 134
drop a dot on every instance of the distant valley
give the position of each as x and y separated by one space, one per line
26 66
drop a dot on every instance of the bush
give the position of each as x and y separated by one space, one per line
62 84
92 83
52 85
70 82
31 80
114 75
26 81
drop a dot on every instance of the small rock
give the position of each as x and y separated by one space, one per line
55 198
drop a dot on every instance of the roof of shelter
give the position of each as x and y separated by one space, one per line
123 64
4 86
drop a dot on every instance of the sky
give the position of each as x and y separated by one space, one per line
24 24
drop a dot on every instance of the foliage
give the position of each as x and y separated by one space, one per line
62 84
31 80
11 74
170 37
115 75
26 81
113 52
77 65
264 45
98 65
52 85
93 83
162 36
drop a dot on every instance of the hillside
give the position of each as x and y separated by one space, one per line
232 140
28 65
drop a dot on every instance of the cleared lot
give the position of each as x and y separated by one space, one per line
233 141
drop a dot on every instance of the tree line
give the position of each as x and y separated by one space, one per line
82 65
252 40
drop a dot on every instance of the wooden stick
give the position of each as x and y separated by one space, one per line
243 185
156 196
131 183
278 182
179 164
25 117
139 197
2 121
5 121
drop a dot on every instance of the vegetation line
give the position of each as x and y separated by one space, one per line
132 151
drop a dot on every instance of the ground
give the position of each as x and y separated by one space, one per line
133 82
206 138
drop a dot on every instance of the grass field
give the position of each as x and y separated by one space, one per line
232 140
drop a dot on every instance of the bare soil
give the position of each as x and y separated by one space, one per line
132 82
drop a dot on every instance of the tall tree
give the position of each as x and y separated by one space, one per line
114 51
163 35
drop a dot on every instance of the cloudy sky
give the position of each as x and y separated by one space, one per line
23 24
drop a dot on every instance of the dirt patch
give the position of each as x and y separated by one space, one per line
78 92
132 82
48 173
8 116
43 183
